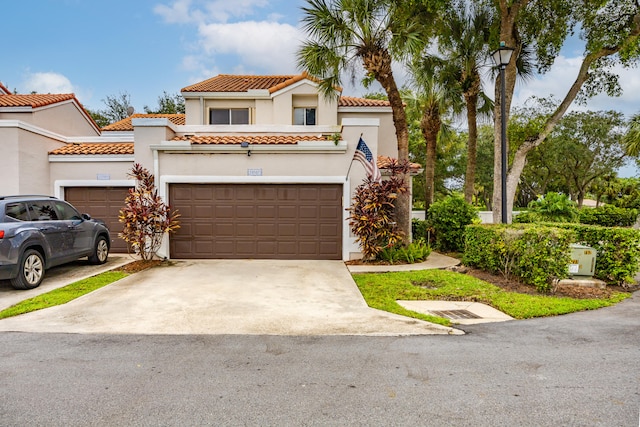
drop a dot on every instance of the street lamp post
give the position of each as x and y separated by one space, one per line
501 57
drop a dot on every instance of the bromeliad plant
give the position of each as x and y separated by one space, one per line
372 214
146 217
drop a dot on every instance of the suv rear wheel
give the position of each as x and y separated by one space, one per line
31 270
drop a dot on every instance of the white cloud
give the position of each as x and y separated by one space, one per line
178 12
266 46
47 83
223 10
185 11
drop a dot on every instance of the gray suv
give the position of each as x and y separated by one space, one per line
39 232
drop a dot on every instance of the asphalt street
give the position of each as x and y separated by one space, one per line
575 370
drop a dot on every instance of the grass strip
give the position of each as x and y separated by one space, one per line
63 295
382 290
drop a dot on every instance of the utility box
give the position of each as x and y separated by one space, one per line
583 260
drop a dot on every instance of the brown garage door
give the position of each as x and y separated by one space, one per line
269 221
101 203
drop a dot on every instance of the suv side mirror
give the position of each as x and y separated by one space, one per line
86 216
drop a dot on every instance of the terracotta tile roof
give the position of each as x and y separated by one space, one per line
35 100
244 83
4 90
251 139
349 101
88 148
125 125
384 162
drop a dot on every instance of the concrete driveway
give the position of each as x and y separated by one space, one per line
269 297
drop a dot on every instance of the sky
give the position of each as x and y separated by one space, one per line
146 47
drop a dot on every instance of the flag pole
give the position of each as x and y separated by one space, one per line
346 178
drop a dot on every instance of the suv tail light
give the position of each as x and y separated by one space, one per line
1 234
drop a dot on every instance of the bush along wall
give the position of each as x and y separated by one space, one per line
618 251
608 216
536 254
448 219
539 253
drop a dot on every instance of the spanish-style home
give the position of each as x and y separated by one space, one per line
258 166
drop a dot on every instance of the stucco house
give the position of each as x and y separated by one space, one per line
258 166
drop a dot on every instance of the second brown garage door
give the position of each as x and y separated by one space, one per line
268 221
101 203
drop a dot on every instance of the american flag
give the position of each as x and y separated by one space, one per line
364 156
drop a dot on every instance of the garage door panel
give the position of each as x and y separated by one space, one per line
201 193
245 230
287 212
203 229
308 230
266 230
265 211
266 193
102 203
222 229
266 247
286 221
327 248
245 212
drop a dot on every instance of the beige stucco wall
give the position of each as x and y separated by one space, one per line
387 141
90 170
146 135
9 172
33 163
193 114
276 110
65 119
304 95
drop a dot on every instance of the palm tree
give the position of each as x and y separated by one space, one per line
632 138
435 99
346 34
463 43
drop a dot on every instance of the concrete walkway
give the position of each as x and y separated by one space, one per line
269 297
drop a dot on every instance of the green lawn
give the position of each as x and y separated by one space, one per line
382 290
63 295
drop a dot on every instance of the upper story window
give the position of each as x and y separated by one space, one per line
229 116
304 116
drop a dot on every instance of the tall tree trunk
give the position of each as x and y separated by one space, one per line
430 125
508 33
520 157
472 144
378 63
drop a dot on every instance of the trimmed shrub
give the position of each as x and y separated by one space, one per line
535 254
448 219
608 216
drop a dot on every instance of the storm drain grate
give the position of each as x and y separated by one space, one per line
456 314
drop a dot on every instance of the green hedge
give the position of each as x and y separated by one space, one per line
447 219
534 253
618 249
538 253
608 216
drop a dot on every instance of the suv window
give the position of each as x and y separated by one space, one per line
17 211
42 211
67 212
